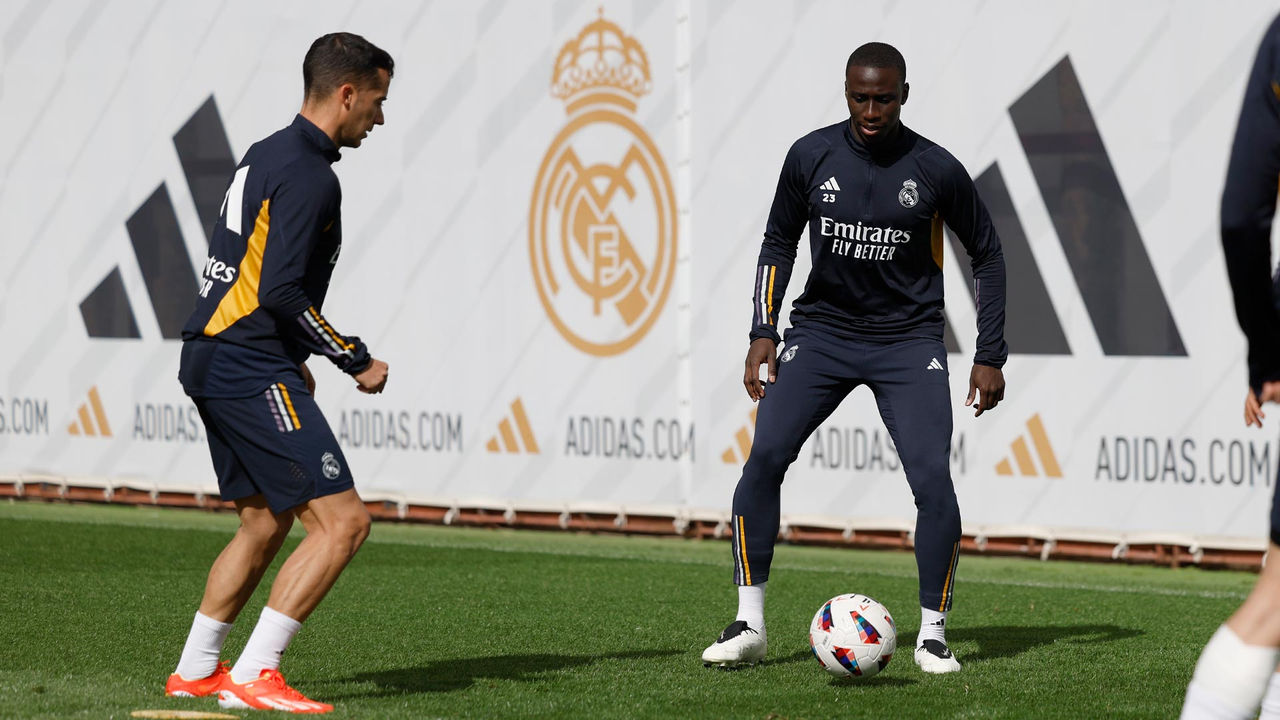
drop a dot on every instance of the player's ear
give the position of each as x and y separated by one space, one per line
905 89
347 95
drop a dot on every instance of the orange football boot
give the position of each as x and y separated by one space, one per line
178 686
268 692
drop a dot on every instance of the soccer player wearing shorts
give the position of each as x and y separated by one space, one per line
257 319
1237 666
874 195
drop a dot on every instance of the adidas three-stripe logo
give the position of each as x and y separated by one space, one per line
86 426
167 270
831 184
934 365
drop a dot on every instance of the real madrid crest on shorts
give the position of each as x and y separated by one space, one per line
789 353
602 219
908 196
329 466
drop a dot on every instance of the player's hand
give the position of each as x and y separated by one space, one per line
308 378
988 383
372 379
1253 414
762 351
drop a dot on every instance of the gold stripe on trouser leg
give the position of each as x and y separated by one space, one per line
288 403
742 546
951 573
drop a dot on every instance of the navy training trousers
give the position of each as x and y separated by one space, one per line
816 372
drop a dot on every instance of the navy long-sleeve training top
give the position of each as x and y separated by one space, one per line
270 260
1248 209
875 222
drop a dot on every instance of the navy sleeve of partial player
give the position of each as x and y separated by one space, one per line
787 219
300 207
1248 209
967 216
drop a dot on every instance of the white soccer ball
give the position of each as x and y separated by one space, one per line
853 635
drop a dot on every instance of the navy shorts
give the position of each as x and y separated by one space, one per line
276 444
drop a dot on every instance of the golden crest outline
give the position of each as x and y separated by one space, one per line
601 288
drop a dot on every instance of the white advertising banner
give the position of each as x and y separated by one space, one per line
552 242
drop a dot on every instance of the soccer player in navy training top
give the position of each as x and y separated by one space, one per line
257 319
874 195
1237 667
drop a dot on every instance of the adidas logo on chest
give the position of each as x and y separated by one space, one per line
829 189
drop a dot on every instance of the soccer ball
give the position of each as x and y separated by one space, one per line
853 635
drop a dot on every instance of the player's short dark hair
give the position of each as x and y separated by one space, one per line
878 55
339 58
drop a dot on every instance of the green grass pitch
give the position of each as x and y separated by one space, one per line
95 603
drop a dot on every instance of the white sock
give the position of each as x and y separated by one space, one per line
933 626
1271 701
204 645
751 606
1200 704
1230 678
270 637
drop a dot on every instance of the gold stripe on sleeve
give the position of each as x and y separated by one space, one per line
935 239
773 269
324 325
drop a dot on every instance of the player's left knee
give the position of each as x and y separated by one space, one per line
363 529
949 508
941 507
352 531
266 532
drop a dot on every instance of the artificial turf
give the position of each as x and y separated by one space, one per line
95 603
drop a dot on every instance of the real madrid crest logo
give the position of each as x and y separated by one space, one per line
602 220
908 196
789 353
329 466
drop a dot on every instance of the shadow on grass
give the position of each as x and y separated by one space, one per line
462 673
797 656
887 680
1000 641
1004 641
